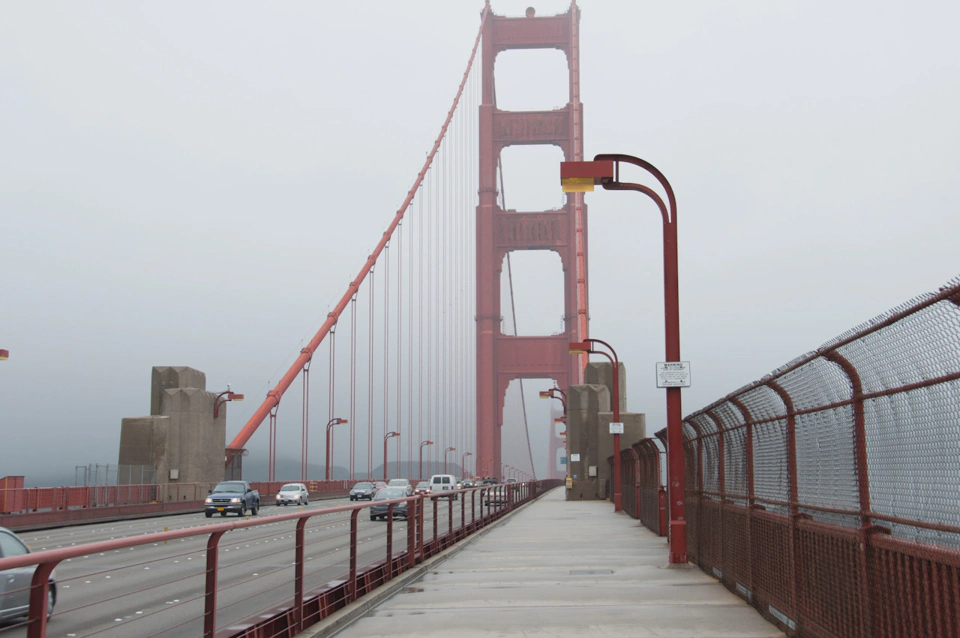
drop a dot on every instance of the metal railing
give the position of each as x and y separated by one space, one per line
643 476
827 493
308 564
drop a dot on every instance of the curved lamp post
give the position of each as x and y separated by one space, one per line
449 449
222 398
604 170
328 469
387 437
422 445
463 463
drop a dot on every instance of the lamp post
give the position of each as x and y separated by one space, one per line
387 437
449 449
422 445
605 171
463 463
586 346
222 398
328 469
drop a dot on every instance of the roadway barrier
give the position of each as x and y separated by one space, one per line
308 573
33 507
827 493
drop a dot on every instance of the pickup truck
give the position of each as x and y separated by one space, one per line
232 496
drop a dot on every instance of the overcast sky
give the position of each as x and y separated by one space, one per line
196 184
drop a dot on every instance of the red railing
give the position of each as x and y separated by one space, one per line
318 562
643 476
827 493
36 506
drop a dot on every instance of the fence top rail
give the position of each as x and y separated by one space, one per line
58 555
951 291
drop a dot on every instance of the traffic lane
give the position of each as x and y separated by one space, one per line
93 532
144 583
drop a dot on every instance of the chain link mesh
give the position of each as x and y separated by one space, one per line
827 493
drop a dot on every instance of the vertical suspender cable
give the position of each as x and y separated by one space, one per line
386 347
331 409
353 384
370 329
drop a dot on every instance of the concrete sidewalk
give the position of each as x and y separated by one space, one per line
558 568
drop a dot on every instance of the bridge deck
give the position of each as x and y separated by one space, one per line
562 569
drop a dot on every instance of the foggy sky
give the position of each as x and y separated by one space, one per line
196 184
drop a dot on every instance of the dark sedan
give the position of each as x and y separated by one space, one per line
379 508
361 491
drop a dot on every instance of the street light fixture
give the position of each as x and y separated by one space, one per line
449 449
328 467
386 437
463 463
222 398
605 171
422 445
586 347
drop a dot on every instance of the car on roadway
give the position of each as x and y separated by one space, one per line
363 491
293 494
404 483
379 484
465 484
379 508
489 480
511 480
15 601
232 496
497 495
443 485
423 487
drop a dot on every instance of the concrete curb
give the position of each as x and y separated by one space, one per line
343 618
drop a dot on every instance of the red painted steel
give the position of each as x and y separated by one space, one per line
827 500
273 397
502 358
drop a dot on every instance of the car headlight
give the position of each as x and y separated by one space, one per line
234 500
208 500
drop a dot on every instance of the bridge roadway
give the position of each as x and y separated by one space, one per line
147 590
553 568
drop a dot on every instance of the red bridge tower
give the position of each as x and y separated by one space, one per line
502 358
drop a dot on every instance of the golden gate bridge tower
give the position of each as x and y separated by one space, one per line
502 358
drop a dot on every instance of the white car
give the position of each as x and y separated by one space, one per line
15 602
404 483
293 494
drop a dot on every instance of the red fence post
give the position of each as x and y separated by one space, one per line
298 562
210 586
388 568
412 504
37 614
352 586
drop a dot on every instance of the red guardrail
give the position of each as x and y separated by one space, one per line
48 506
200 599
826 493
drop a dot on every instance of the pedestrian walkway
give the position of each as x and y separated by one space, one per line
558 568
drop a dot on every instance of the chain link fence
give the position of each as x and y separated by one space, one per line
827 493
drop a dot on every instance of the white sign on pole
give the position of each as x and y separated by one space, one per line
673 374
574 458
616 428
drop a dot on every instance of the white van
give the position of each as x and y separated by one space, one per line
440 483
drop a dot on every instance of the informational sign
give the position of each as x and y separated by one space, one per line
616 428
673 374
563 460
574 458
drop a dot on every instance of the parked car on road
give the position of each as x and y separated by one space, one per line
379 508
362 491
404 483
293 494
15 601
232 496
